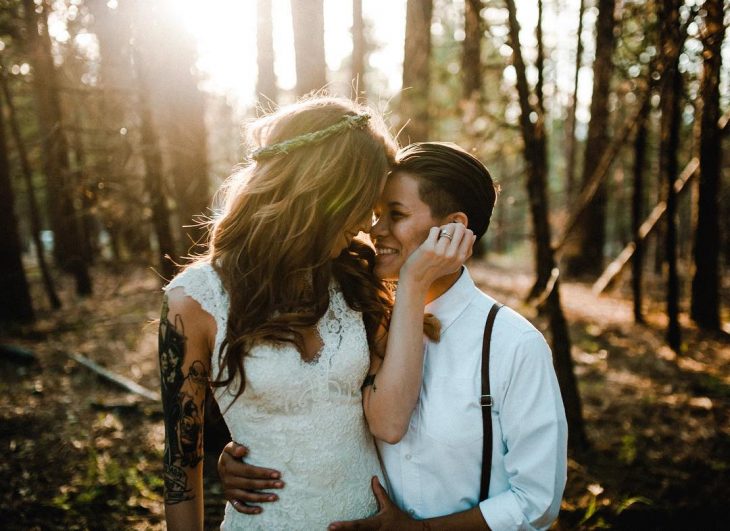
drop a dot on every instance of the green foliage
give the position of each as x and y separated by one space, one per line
107 484
628 451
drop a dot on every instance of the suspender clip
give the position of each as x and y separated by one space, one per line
486 401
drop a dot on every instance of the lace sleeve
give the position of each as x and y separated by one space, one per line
201 283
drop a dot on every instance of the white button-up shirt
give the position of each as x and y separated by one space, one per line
435 469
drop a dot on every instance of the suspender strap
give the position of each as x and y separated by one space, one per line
486 403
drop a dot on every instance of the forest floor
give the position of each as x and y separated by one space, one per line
82 453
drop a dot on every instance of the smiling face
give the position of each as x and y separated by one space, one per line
403 224
343 241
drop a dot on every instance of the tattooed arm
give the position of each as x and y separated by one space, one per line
185 340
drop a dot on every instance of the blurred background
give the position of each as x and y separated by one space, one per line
604 121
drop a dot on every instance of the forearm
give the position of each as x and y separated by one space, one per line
186 515
389 403
184 375
471 520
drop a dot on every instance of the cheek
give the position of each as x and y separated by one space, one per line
411 238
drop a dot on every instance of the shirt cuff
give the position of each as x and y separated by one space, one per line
502 512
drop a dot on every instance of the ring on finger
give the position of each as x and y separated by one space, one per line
446 234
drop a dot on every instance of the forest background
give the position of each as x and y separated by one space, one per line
604 122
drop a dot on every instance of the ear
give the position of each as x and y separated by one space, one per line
458 217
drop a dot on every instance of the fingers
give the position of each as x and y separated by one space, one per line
254 472
381 496
354 525
246 509
239 475
432 239
235 450
244 483
467 247
455 241
249 496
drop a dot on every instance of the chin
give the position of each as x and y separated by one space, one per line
386 273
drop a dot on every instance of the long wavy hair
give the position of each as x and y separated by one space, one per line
272 244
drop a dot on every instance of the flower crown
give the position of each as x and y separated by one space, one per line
349 121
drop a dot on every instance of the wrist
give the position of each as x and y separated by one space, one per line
412 285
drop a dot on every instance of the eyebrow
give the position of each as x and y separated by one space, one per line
395 203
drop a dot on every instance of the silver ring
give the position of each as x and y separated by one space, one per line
445 234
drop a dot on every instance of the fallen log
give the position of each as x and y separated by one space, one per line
118 379
617 265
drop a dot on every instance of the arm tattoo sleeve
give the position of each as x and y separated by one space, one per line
183 398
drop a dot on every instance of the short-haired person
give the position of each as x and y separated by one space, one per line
433 464
282 315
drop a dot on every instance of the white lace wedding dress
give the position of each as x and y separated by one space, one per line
302 418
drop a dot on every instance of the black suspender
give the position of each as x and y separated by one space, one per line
486 403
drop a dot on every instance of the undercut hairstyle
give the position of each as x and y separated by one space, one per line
450 180
282 215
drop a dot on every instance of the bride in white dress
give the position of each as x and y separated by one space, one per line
286 302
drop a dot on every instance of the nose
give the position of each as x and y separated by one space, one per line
378 227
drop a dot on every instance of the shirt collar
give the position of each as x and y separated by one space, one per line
452 303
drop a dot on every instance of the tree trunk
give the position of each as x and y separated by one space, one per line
86 191
152 156
61 187
416 71
585 254
570 126
533 135
308 20
178 108
113 31
33 210
669 144
267 92
540 60
471 58
359 47
705 309
16 304
637 202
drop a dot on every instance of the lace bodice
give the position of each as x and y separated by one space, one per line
302 418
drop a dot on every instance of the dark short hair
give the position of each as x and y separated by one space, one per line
450 180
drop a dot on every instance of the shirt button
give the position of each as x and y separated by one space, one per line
408 458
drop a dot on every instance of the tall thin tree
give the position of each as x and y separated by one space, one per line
571 120
671 93
471 57
16 304
154 177
173 81
533 135
540 60
61 187
417 70
308 21
637 202
705 307
30 193
359 47
585 255
267 91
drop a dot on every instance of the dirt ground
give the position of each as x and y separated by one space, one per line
82 453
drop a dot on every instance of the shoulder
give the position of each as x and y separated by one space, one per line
507 322
512 332
194 276
201 283
189 303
